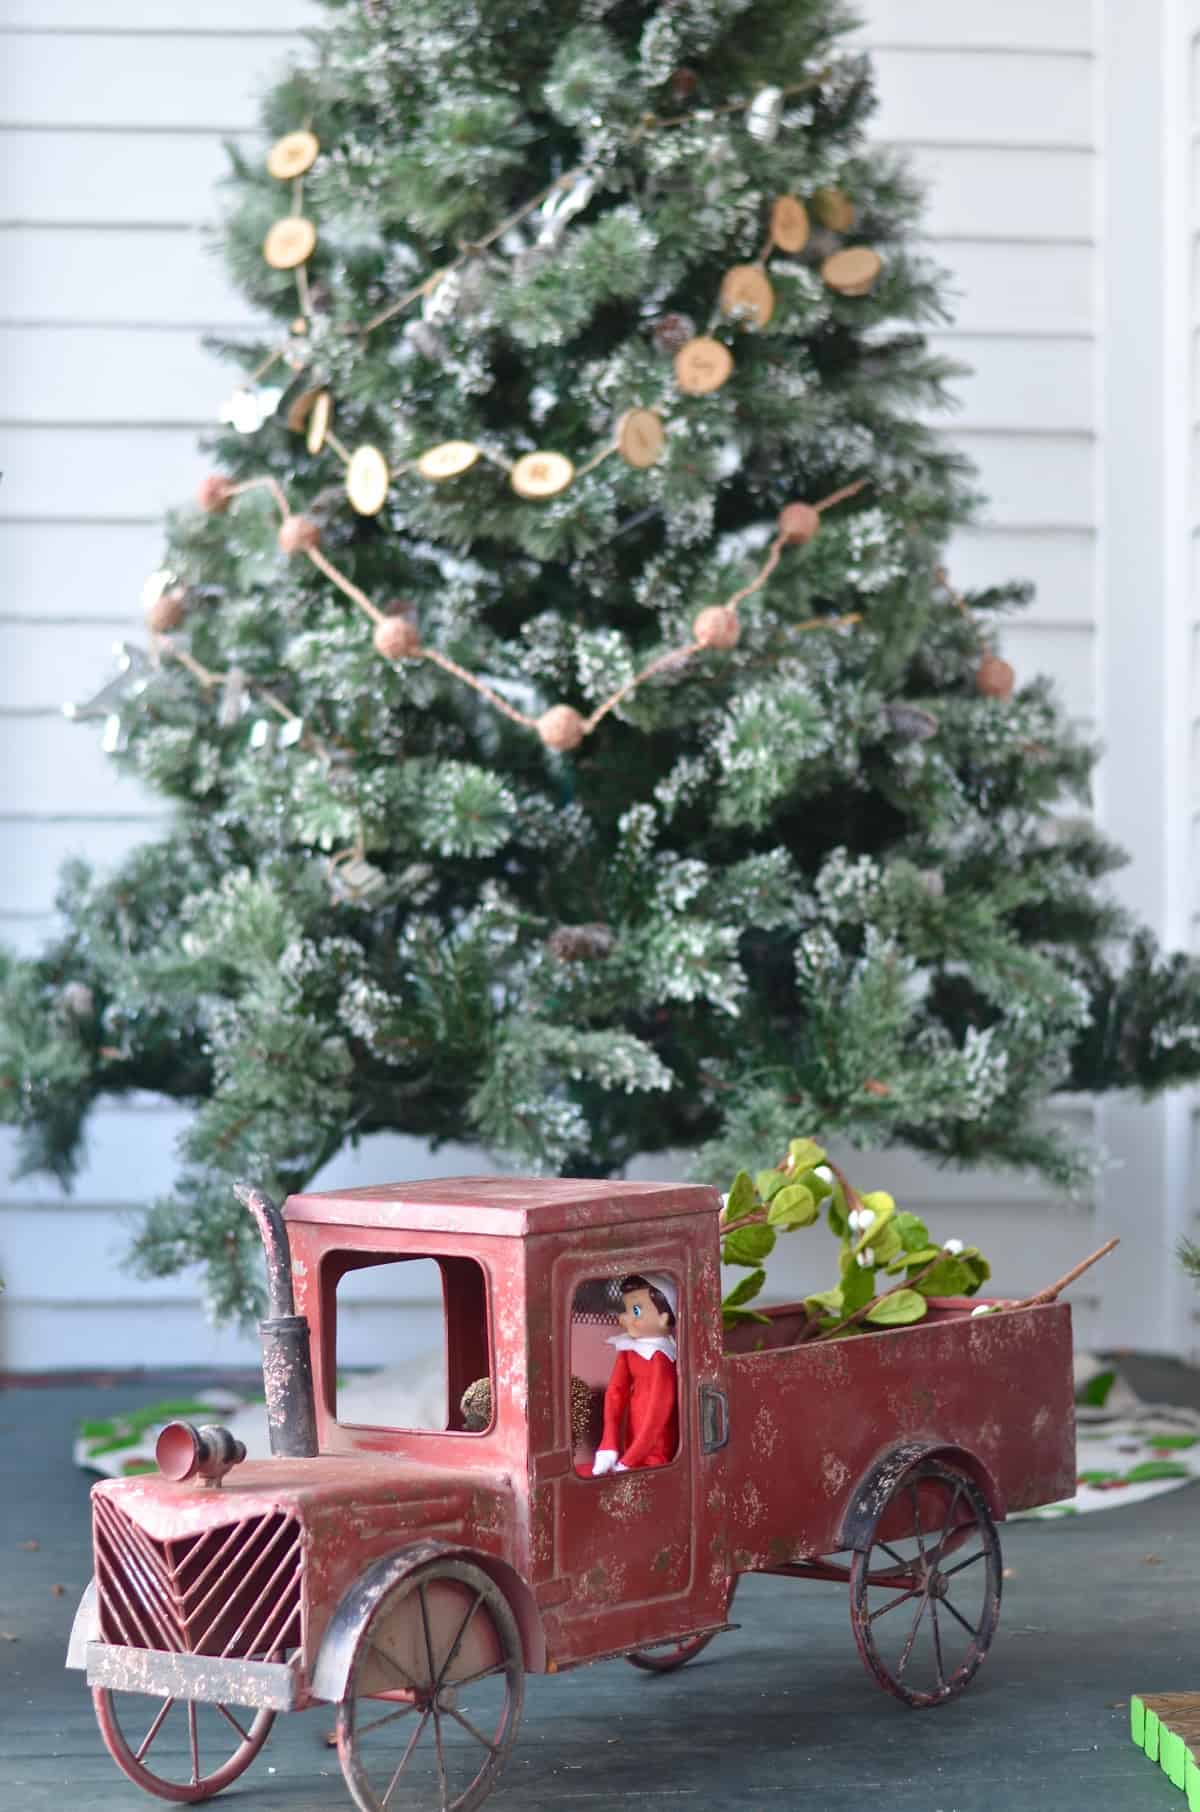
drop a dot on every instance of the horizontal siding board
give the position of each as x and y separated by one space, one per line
149 375
32 854
171 277
1062 567
1032 480
49 767
172 80
1013 288
117 474
1067 25
994 193
44 665
77 569
997 98
1022 382
155 375
1065 655
126 178
222 16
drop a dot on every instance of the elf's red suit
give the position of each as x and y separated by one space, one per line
641 1402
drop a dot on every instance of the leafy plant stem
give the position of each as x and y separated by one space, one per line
907 1283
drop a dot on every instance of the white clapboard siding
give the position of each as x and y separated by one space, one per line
111 124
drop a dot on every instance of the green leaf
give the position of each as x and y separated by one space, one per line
912 1261
824 1299
805 1154
770 1182
950 1278
793 1207
742 1198
897 1310
817 1185
734 1317
879 1202
1158 1469
858 1287
748 1245
884 1243
914 1235
837 1212
745 1291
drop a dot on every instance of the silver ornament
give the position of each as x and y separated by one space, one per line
562 206
440 302
764 115
358 882
234 701
132 676
291 732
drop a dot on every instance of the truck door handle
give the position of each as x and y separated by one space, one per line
714 1419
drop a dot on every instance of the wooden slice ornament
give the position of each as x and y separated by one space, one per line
450 459
789 224
641 437
290 242
367 480
537 476
300 408
853 270
834 209
746 294
292 155
320 418
702 365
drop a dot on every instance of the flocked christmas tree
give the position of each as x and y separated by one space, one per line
574 305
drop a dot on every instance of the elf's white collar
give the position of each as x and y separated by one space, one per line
646 1347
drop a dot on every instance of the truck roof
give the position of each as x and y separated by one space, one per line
512 1206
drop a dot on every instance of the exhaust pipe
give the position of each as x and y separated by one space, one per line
287 1360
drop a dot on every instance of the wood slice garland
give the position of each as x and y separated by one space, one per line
853 270
449 459
290 242
540 475
717 626
641 437
298 535
834 209
166 612
367 480
702 365
789 224
397 639
746 294
320 417
291 155
994 677
798 524
561 728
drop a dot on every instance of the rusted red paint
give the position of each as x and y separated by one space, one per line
788 1455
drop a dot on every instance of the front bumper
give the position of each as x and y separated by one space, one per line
265 1685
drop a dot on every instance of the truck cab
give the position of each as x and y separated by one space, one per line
529 1274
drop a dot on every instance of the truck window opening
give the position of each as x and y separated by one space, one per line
595 1310
407 1312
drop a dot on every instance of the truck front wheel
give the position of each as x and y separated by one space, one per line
434 1693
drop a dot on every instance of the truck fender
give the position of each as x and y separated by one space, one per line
336 1653
85 1628
887 1470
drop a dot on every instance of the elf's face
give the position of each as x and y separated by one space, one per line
641 1320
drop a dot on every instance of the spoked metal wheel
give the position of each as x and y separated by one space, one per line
434 1695
179 1749
925 1594
665 1657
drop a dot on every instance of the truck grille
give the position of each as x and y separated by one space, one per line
231 1591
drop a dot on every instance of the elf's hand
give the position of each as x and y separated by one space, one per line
604 1461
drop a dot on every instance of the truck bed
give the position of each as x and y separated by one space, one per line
808 1421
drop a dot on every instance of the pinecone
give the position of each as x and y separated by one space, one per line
673 331
580 943
476 1406
910 722
585 1414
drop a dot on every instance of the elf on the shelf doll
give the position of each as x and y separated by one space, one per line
641 1415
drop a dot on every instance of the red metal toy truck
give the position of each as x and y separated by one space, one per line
410 1578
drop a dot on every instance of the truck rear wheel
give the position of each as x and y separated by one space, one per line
434 1694
925 1590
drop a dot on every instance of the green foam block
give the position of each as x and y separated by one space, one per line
1150 1736
1172 1756
1137 1721
1192 1779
